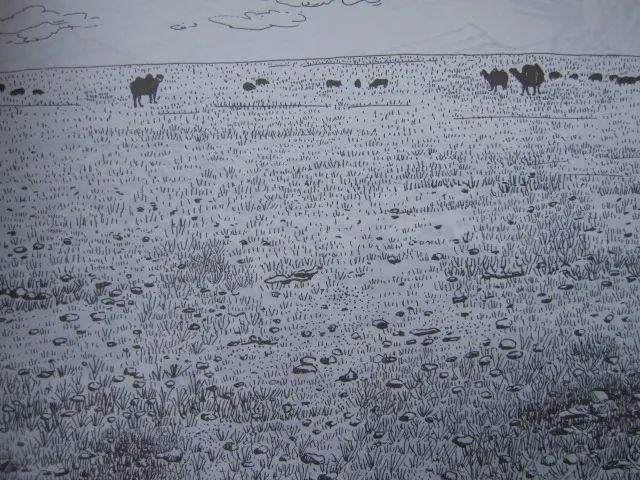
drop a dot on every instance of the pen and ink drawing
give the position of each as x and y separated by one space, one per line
348 267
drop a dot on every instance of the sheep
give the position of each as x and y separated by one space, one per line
379 82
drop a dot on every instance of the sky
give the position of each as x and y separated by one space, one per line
98 32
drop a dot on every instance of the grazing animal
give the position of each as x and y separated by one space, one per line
145 86
497 78
1 87
595 77
530 76
357 83
248 86
379 82
626 80
261 81
17 91
613 78
573 76
555 75
37 91
334 83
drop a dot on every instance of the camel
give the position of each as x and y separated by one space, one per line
145 86
496 78
555 75
595 77
530 76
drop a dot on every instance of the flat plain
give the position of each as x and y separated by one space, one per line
424 280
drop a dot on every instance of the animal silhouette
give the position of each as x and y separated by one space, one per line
1 87
595 77
261 81
613 78
497 78
16 91
357 83
626 80
37 91
145 86
530 76
555 75
379 82
334 83
573 76
248 86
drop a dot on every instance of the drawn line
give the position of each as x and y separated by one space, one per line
47 105
380 105
352 64
594 174
239 107
490 117
248 62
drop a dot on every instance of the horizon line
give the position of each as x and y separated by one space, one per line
338 57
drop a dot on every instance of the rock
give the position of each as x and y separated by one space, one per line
312 458
98 316
59 341
421 332
330 360
350 376
507 344
570 459
617 465
548 460
69 317
8 466
395 383
60 471
303 369
171 456
380 324
599 396
463 440
208 417
202 365
503 324
86 455
429 367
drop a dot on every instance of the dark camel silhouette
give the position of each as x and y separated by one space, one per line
573 76
595 77
145 86
333 83
530 76
555 75
497 78
613 78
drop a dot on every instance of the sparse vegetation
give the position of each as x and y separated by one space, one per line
421 280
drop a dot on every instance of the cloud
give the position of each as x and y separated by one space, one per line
320 3
260 20
183 26
35 23
350 3
304 3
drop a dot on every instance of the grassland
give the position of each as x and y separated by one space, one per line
425 281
